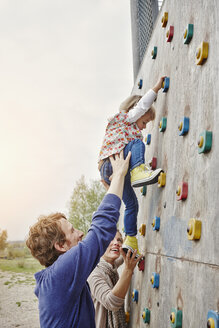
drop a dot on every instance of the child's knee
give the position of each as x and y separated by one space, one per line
135 145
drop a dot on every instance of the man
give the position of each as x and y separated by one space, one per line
62 289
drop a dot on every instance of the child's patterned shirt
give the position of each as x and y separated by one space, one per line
122 127
119 132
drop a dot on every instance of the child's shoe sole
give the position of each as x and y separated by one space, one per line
147 181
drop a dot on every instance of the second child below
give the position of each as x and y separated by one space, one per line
124 132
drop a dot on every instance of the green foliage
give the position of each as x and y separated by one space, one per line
84 201
3 239
28 265
15 253
7 283
21 264
17 250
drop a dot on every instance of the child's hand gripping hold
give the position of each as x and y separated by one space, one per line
159 84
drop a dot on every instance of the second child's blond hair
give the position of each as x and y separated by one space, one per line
131 101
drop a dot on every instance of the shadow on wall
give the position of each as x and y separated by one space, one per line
175 237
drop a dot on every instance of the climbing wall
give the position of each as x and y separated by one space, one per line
184 140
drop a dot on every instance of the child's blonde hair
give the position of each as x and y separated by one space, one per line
131 101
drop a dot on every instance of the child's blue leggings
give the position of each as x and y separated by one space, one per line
129 198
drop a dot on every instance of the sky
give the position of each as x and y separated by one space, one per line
65 68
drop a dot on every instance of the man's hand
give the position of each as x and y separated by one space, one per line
119 164
120 168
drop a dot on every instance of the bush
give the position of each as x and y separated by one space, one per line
21 264
15 253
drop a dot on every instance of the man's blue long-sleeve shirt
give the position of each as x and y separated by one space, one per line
62 289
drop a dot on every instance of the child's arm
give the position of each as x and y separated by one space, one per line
158 85
145 102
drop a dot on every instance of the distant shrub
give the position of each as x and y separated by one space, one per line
21 264
27 252
14 253
10 254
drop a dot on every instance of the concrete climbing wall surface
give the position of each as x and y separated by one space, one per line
188 269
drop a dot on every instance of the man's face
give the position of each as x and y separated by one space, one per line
73 236
113 250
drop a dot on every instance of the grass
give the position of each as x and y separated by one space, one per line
16 279
24 265
7 283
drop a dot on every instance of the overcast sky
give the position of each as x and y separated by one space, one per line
65 67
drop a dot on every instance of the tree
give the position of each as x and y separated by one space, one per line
3 239
84 201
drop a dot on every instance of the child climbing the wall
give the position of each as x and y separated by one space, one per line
123 132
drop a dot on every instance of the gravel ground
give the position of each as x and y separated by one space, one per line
18 303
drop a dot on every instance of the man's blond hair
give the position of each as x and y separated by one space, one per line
42 238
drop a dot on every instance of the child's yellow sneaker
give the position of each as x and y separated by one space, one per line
141 176
131 243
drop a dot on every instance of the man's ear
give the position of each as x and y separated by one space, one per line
60 248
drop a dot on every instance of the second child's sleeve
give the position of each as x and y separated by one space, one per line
142 106
102 292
